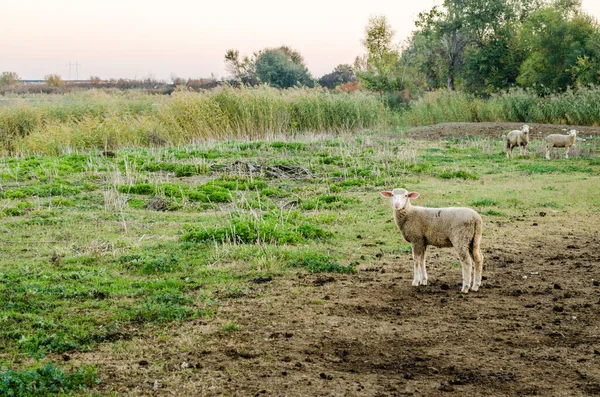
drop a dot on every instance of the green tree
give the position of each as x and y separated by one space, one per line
243 69
379 68
54 80
282 68
563 48
473 42
341 74
9 78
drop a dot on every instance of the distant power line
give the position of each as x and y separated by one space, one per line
76 65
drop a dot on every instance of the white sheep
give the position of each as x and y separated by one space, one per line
518 138
559 140
441 227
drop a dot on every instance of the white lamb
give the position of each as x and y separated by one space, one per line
441 227
518 138
559 140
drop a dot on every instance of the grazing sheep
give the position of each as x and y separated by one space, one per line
559 140
441 227
518 138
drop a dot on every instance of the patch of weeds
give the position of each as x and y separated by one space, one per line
550 204
493 213
350 182
328 202
458 175
291 146
273 192
418 168
239 183
513 202
164 307
18 210
45 380
179 169
137 204
248 229
484 202
230 327
55 189
62 202
594 162
548 188
316 262
147 263
540 168
140 188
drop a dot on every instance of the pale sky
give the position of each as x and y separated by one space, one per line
138 38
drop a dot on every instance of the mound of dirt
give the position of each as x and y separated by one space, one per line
493 130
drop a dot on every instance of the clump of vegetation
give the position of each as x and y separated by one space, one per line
165 307
457 175
44 380
314 261
290 228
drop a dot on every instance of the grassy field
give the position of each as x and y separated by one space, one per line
99 249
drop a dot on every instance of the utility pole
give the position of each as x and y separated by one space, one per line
76 65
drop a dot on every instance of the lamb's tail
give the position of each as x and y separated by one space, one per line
474 246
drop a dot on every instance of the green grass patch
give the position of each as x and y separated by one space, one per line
316 262
291 228
45 380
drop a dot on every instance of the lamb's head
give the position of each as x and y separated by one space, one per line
573 133
400 197
525 129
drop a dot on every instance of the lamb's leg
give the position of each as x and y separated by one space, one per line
567 152
423 267
465 259
547 153
418 250
477 257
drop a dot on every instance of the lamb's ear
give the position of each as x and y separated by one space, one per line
387 194
413 195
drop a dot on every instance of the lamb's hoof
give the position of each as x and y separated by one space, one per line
415 283
475 288
423 282
465 289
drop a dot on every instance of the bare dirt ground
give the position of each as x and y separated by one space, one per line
532 329
493 130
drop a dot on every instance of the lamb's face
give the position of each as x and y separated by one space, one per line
573 133
400 197
525 129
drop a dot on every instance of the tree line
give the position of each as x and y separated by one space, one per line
476 46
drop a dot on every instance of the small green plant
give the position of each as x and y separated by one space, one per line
458 175
230 327
484 202
493 213
164 307
316 262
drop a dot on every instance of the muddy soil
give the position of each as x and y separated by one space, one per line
494 130
532 329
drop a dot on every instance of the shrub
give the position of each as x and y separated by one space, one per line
54 80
